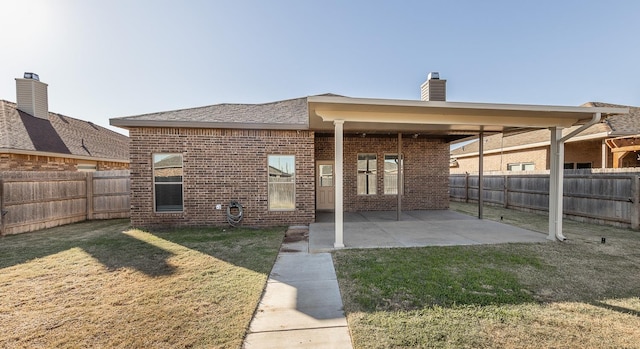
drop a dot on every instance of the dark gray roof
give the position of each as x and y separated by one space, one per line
59 134
621 125
290 113
614 125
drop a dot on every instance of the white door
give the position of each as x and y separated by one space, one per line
325 192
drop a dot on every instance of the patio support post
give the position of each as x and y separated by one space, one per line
556 177
399 181
480 172
339 177
603 162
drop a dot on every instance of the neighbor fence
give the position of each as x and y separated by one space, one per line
35 200
604 196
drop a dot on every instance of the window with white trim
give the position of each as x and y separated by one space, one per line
367 174
167 182
282 182
521 166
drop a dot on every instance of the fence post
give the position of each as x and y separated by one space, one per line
89 193
506 191
635 207
2 213
466 187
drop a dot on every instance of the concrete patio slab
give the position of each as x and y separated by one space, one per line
415 229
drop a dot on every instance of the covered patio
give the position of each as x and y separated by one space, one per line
444 120
381 229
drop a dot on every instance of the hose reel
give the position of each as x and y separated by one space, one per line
234 219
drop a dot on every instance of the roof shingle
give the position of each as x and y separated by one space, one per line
287 112
78 137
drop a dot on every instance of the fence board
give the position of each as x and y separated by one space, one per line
35 200
598 195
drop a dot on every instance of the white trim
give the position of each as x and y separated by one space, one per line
465 105
339 179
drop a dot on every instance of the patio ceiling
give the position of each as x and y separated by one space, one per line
442 118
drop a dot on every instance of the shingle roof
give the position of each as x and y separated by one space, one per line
60 134
621 125
614 125
288 112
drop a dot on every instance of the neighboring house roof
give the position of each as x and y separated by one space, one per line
621 125
614 125
59 134
285 114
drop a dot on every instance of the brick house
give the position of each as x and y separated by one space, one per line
34 139
284 160
524 151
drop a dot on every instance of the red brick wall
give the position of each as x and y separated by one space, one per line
221 165
23 162
426 171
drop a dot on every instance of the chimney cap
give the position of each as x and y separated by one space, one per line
31 76
433 75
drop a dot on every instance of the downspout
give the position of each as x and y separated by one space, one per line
560 175
594 120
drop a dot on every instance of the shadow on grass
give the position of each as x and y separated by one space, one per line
103 240
107 242
619 309
252 249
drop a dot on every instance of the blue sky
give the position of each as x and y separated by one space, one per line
105 59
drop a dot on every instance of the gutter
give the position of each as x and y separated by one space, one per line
595 119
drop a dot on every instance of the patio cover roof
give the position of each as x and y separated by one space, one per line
442 118
449 120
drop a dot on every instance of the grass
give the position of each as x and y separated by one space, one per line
102 284
580 293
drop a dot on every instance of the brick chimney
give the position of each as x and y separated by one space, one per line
31 96
434 89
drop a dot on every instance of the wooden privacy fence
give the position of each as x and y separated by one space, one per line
604 196
36 200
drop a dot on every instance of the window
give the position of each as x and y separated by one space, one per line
326 175
367 174
167 182
576 165
521 166
282 182
391 173
87 167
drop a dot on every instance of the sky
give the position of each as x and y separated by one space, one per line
106 59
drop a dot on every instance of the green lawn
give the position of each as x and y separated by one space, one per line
580 293
102 284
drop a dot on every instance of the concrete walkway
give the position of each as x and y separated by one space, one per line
301 306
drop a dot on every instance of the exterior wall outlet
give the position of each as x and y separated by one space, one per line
218 207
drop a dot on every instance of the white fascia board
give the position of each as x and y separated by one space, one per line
465 105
